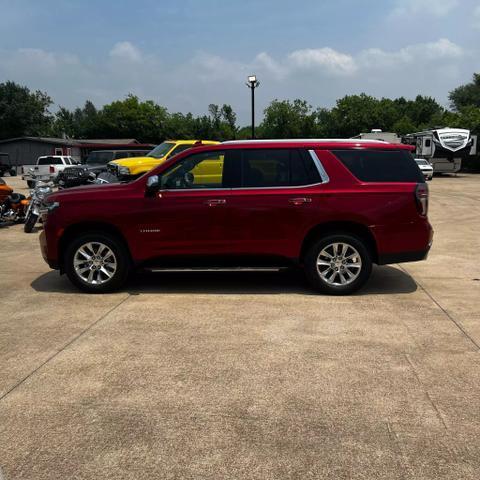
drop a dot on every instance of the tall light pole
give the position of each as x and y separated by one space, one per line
252 84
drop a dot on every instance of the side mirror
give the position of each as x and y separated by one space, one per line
152 186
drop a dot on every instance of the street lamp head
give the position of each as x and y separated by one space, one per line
252 78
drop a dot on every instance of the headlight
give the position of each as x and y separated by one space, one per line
42 192
123 171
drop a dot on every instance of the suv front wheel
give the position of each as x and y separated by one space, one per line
97 263
338 264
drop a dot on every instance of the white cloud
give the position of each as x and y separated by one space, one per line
206 78
325 59
126 51
438 8
39 62
476 17
422 53
264 61
213 68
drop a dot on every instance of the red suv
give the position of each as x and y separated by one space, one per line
333 207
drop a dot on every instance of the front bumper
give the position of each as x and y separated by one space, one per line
52 263
49 242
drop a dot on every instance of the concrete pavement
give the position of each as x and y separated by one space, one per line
247 375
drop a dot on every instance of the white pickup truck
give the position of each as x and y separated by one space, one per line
47 168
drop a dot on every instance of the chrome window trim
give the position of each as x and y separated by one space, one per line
302 140
318 164
321 170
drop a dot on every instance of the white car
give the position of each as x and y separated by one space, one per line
47 168
425 168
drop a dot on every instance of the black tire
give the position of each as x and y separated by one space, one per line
31 183
121 255
13 172
321 284
30 222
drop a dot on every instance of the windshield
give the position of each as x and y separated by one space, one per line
101 158
421 162
161 150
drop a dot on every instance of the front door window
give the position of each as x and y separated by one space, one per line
198 171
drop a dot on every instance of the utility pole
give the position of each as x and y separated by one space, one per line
252 84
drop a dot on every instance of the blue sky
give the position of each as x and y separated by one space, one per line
186 54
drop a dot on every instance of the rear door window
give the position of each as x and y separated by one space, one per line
302 169
50 161
381 165
278 168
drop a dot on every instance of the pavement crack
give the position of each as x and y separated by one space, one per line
425 390
433 299
68 344
401 459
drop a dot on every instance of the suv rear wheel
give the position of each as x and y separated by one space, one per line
97 263
338 264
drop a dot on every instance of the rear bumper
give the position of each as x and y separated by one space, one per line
403 242
402 257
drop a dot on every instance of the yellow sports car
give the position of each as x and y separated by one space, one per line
128 168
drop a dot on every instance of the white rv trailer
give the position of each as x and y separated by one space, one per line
444 148
377 134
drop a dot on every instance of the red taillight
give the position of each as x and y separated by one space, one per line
52 169
421 197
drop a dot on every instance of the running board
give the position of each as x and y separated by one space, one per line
217 269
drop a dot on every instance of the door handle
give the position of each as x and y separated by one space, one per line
299 200
215 202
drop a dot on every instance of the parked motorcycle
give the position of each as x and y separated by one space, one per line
12 205
37 198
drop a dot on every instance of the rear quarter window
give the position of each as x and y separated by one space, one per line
381 165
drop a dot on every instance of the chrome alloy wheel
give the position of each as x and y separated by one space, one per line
339 264
95 263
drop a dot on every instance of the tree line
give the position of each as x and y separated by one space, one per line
24 112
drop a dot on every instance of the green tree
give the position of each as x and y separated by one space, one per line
403 126
131 118
352 115
422 109
80 123
64 123
223 122
245 133
286 119
180 126
230 120
466 95
216 115
23 112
